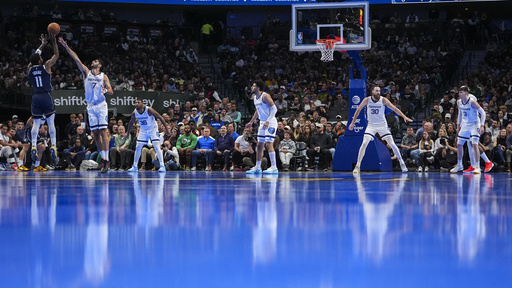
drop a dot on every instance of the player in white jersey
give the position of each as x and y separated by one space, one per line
148 130
488 163
469 127
96 84
375 106
266 112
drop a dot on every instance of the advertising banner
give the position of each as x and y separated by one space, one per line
73 101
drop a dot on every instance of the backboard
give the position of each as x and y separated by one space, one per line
347 20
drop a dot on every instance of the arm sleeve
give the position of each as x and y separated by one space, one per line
193 142
431 150
216 145
238 117
174 152
481 112
459 117
273 111
293 148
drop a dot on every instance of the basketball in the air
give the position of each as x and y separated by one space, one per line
53 28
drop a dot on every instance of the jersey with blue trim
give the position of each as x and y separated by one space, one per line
93 85
262 108
375 112
40 79
469 114
146 122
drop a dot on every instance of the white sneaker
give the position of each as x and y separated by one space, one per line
271 170
161 169
254 170
133 169
193 169
404 168
457 168
356 170
426 169
420 169
477 171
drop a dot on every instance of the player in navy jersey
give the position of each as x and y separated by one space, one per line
96 85
42 103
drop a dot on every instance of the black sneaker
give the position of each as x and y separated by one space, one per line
104 166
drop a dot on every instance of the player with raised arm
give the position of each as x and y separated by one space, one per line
42 104
148 130
375 107
96 85
469 127
266 112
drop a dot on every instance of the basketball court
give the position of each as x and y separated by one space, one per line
227 229
230 229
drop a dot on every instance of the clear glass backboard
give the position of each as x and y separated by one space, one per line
347 21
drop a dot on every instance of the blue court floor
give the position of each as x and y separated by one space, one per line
226 229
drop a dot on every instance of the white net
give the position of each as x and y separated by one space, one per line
326 46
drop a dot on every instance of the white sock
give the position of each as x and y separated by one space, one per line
484 156
272 159
38 163
258 164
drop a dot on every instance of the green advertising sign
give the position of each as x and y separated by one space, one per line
122 102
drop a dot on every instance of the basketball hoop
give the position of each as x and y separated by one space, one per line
326 46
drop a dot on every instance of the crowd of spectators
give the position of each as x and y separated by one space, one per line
134 62
311 96
491 84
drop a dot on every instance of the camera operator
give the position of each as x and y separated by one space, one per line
445 154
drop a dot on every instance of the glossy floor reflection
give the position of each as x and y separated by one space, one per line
199 229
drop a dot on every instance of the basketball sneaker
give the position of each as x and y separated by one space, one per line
161 169
39 169
404 168
33 153
356 170
477 170
53 153
457 168
133 169
22 168
271 170
104 166
488 166
254 170
469 170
